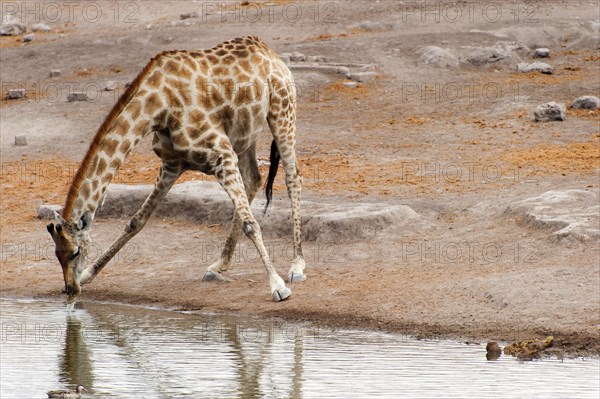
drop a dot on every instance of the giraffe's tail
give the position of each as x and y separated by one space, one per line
274 158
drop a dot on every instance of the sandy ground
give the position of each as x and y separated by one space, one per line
439 139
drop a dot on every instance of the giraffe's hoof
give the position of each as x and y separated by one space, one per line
64 288
213 276
281 294
296 277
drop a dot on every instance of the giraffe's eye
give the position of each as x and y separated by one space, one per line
75 254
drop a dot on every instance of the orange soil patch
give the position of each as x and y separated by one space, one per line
580 158
329 36
584 113
560 76
337 88
414 120
86 72
11 41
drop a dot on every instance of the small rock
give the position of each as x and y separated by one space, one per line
187 15
29 37
20 140
16 94
296 56
362 76
41 28
587 102
77 96
550 112
311 58
441 57
54 73
320 58
535 66
370 25
12 29
46 212
493 350
541 53
483 56
111 85
350 85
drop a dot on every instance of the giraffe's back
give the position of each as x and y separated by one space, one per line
228 90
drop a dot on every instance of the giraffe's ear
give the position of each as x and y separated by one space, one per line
85 221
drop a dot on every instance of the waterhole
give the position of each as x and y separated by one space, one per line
129 352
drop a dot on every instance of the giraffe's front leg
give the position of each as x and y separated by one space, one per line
166 178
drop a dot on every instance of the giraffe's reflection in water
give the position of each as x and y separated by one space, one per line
248 348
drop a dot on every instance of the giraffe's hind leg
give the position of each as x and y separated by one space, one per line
230 179
283 127
250 173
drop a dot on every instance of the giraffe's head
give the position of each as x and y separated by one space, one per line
72 241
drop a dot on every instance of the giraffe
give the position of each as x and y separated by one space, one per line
206 109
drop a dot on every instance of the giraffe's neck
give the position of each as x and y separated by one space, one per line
110 155
123 129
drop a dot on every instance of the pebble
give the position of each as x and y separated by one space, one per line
12 29
16 94
586 102
535 66
77 96
350 85
541 53
550 112
296 56
41 28
111 85
187 15
29 37
20 140
54 73
370 25
363 76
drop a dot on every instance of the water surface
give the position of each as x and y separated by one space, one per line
129 352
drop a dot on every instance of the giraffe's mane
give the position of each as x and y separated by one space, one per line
99 138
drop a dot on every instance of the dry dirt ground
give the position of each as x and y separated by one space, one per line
440 138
